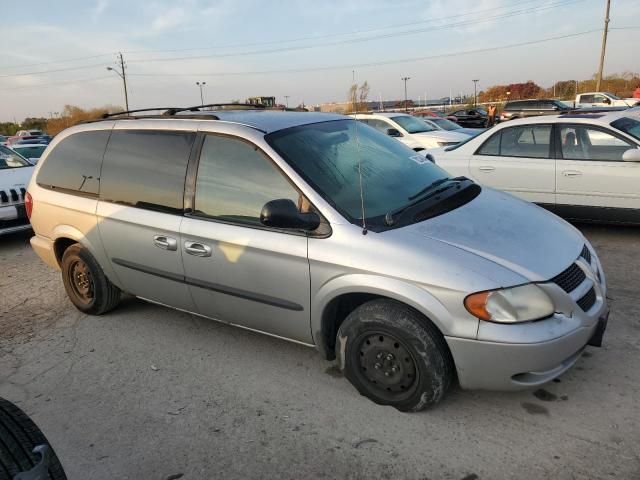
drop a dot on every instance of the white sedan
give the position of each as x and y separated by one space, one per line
583 166
410 130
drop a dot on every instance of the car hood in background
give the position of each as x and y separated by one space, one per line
441 135
508 231
15 177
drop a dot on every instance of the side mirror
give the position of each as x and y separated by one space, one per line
631 155
555 107
607 101
283 213
393 132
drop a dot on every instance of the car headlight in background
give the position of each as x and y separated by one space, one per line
510 305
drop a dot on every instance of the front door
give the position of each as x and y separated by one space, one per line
593 182
238 270
518 160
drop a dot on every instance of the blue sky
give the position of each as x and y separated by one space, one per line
57 52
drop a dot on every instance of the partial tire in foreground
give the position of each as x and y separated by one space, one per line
394 356
87 286
18 438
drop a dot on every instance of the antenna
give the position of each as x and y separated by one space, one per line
364 222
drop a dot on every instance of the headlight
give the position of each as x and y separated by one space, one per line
510 305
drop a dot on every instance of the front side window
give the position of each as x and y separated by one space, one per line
74 163
412 124
146 169
332 156
10 159
235 180
379 125
585 143
491 146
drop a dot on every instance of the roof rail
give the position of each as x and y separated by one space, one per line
127 112
220 106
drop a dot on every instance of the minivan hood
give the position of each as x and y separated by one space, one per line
515 234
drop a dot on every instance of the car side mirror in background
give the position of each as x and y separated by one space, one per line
607 101
393 132
283 213
631 155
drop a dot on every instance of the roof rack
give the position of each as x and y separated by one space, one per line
128 112
218 106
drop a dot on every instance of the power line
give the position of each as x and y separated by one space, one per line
55 84
370 64
362 39
43 72
316 37
330 35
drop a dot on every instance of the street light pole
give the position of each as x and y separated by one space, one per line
201 84
604 46
475 92
406 107
122 74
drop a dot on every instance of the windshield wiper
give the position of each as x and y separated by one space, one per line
391 217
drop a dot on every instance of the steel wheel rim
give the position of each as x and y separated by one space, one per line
81 281
386 365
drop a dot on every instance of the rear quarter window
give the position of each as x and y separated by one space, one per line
74 163
146 169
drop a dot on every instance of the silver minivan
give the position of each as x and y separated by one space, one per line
318 229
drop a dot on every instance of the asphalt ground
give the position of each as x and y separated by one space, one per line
146 392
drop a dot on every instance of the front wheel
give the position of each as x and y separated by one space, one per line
394 356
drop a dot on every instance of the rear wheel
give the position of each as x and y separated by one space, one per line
394 356
87 286
19 436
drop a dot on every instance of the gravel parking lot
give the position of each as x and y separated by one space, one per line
150 393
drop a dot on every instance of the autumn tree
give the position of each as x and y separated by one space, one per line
72 115
357 97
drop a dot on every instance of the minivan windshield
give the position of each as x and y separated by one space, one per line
10 159
330 155
412 124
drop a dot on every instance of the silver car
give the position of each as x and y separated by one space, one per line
318 229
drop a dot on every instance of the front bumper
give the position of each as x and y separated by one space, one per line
512 366
13 218
524 355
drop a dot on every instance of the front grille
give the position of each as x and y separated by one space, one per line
569 279
586 254
587 301
12 195
4 198
16 222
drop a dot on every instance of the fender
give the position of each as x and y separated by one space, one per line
402 291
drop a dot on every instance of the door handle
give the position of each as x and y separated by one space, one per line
197 249
571 173
486 169
164 242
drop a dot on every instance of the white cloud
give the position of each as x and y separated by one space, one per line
98 10
170 18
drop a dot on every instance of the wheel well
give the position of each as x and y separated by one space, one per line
59 247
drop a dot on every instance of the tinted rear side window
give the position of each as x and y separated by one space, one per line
146 169
74 164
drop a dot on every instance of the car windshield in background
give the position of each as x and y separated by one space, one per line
445 124
329 155
481 111
412 124
628 125
612 96
30 151
10 159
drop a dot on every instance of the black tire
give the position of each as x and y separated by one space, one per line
18 437
87 286
419 370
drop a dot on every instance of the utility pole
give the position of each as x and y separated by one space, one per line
122 75
201 86
406 107
286 100
475 92
604 45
